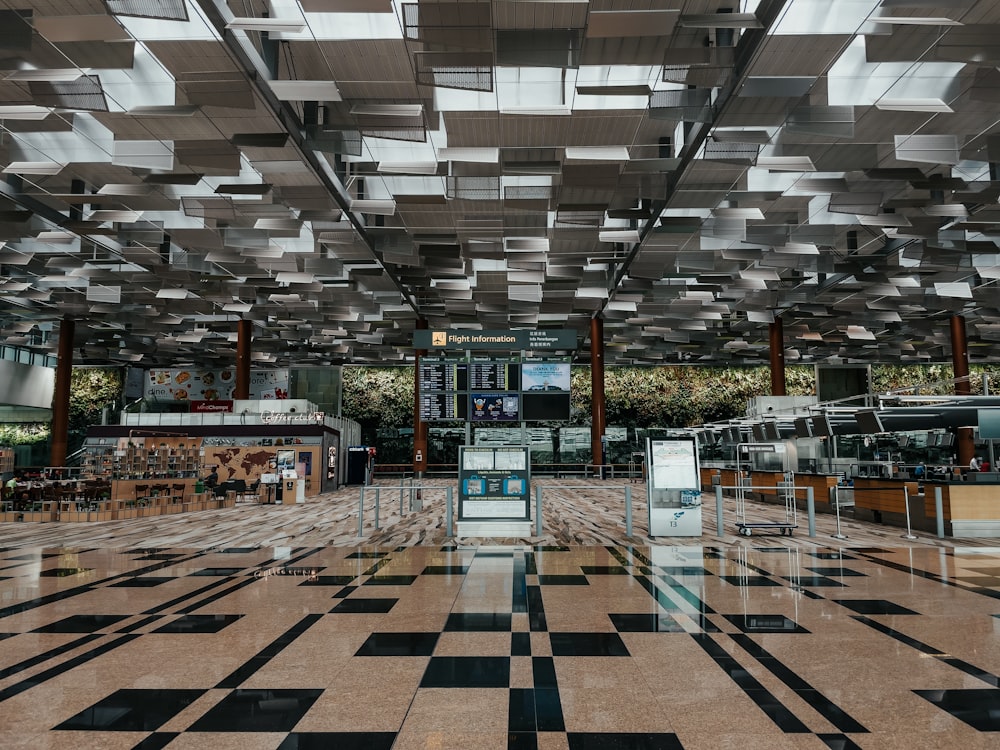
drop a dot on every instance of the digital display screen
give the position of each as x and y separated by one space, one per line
494 407
498 376
545 376
437 407
545 407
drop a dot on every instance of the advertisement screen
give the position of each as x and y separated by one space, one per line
545 376
494 407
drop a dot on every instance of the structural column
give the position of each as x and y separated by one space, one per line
776 336
244 335
965 445
419 425
597 410
60 400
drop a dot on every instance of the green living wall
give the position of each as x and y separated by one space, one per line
668 396
91 391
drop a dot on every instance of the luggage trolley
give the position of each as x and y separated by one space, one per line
786 492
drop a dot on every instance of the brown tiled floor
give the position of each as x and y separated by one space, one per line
276 627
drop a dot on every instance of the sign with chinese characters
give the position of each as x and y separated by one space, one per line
533 340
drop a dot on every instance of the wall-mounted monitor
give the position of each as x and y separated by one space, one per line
758 433
771 431
494 407
803 427
947 440
821 425
869 421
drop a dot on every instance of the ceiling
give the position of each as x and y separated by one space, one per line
336 170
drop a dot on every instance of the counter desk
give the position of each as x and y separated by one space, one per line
971 508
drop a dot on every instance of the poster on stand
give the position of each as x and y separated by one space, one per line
494 484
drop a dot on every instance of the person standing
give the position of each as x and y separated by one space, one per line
974 464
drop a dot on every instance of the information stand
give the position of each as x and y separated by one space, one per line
673 487
494 491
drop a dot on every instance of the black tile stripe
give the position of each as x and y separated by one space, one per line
185 597
139 624
536 610
240 675
50 654
37 679
548 706
765 700
936 577
519 598
85 588
241 583
157 741
825 707
969 669
838 742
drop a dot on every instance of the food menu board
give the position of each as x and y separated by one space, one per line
212 385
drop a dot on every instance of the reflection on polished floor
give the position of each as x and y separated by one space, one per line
518 646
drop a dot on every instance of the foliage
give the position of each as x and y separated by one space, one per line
378 397
24 433
91 391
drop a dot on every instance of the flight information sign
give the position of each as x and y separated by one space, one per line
485 389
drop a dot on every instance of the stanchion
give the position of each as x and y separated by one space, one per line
718 511
377 526
401 479
906 505
361 512
538 510
448 519
939 511
628 511
835 492
810 510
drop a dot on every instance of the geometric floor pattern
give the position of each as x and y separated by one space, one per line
500 648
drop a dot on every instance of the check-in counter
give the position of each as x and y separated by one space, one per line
970 508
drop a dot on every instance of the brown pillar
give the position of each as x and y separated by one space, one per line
60 400
597 411
776 339
965 442
419 426
244 335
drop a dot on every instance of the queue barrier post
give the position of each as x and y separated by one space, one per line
939 511
835 500
361 512
811 511
628 510
449 519
906 506
718 511
538 510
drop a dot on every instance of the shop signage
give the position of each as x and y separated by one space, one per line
211 406
280 417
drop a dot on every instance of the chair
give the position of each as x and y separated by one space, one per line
177 492
239 486
141 493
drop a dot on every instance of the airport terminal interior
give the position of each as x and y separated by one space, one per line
198 185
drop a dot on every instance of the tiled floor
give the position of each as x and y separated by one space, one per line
452 647
263 627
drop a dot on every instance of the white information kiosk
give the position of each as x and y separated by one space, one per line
673 486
